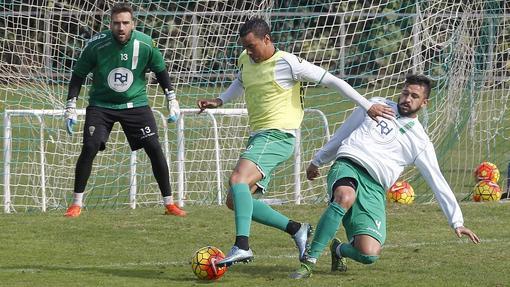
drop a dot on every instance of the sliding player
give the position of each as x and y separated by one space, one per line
369 158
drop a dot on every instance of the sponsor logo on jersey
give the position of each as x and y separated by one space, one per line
383 131
120 79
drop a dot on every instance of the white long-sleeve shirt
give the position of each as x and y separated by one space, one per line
384 149
290 69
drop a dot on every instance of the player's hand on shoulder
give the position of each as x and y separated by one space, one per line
208 104
70 116
173 106
466 231
380 110
312 172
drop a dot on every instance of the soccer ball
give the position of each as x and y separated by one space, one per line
487 171
401 192
203 263
486 190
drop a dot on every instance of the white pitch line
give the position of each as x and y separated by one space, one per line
448 242
186 262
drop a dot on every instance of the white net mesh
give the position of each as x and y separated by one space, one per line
461 45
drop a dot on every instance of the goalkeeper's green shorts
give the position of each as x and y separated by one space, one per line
268 149
368 213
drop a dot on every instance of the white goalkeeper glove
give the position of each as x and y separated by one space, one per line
173 106
70 116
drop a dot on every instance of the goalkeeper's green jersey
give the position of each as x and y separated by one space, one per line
118 80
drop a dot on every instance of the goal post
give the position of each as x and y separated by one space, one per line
461 45
43 168
221 189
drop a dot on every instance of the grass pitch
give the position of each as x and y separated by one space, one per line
142 247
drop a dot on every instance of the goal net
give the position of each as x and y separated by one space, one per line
461 45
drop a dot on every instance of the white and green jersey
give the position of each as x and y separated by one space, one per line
119 69
385 148
273 93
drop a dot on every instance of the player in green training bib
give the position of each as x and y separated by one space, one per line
118 60
271 80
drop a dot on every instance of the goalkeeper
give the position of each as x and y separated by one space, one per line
369 158
118 59
271 82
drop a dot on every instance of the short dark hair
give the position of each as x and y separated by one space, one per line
257 26
421 80
121 7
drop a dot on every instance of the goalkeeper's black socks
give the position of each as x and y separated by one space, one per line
242 242
159 166
292 227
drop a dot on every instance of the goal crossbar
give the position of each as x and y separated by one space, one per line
181 151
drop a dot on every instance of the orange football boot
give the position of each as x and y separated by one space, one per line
173 209
73 211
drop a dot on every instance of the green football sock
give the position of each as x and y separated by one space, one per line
350 251
326 228
243 208
264 214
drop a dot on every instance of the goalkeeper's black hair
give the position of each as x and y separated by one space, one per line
121 7
419 80
257 26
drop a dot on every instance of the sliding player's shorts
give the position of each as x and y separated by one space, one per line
367 215
267 150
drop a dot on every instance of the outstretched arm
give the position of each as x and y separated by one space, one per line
328 152
209 104
305 71
427 163
459 231
233 91
373 110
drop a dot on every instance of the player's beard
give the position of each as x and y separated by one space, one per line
408 111
127 36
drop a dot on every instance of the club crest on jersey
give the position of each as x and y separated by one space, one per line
120 79
384 131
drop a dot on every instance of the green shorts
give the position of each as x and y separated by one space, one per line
368 213
267 150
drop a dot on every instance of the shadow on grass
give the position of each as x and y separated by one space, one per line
163 274
279 272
